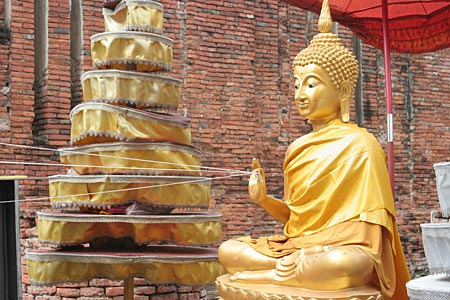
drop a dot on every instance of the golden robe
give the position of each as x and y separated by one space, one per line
338 192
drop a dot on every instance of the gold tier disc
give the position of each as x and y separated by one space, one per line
141 15
183 229
159 264
133 158
103 191
243 291
141 90
102 123
127 50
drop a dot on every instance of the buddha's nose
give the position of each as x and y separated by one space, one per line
299 96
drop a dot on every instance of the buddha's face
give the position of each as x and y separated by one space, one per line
316 97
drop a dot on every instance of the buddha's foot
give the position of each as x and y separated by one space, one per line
260 277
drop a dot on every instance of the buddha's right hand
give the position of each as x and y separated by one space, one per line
257 183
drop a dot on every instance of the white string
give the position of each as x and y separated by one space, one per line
233 173
120 190
124 158
23 178
116 167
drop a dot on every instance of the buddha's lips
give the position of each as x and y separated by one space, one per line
303 104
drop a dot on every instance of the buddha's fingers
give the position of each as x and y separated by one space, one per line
256 164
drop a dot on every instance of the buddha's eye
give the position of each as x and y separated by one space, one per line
311 85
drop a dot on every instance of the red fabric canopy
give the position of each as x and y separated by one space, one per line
414 26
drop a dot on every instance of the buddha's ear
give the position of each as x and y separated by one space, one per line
344 99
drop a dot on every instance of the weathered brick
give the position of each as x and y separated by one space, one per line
67 292
144 290
102 282
114 291
91 291
171 296
165 289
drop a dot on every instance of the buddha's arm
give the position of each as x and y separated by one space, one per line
276 208
257 191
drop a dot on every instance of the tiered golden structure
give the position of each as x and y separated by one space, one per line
134 202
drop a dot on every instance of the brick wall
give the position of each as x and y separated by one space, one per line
234 58
5 79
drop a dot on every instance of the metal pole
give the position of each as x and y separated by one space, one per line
128 288
359 110
389 114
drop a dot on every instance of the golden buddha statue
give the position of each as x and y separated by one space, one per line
338 209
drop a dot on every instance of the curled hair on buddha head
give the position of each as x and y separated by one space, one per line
327 51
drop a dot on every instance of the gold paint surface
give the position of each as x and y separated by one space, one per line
69 229
103 191
241 291
99 123
133 158
126 87
338 209
134 16
146 52
51 267
355 168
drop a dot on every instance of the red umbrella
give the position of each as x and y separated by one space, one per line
413 26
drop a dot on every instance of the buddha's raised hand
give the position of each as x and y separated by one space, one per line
257 183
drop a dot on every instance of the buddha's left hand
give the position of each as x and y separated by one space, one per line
257 183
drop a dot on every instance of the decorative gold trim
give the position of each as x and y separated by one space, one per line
75 229
116 257
241 291
148 3
132 35
191 266
144 16
130 75
142 51
153 192
165 119
130 146
133 158
137 219
143 90
100 122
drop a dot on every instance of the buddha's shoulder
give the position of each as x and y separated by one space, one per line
354 130
360 137
342 130
299 141
351 134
